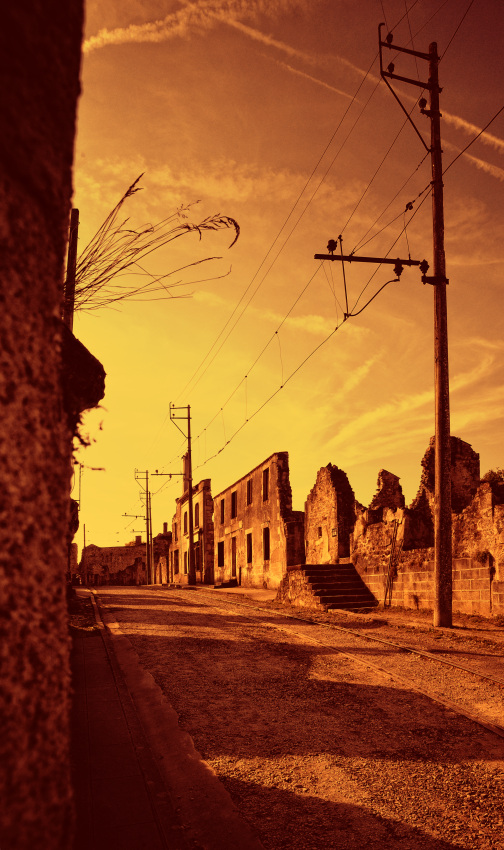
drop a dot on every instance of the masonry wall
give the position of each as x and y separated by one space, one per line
248 516
329 517
116 565
203 533
39 86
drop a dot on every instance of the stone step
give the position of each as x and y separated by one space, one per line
343 584
351 606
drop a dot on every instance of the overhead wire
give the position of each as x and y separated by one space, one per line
284 225
284 382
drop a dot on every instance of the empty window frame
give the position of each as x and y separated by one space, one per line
185 522
249 491
185 563
234 504
249 548
196 515
265 485
266 543
175 531
176 561
220 553
222 510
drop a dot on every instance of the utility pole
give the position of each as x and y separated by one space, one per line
442 492
69 291
191 578
148 523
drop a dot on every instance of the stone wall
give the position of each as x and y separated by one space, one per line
203 532
125 565
329 517
39 85
247 517
388 535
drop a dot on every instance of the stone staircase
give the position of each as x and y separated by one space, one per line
338 586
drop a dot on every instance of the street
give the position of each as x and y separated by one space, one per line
318 750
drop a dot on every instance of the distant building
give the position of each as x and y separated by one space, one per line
257 534
125 565
203 535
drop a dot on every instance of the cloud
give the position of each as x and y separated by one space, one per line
473 130
314 80
193 17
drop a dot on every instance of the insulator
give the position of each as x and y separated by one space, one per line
391 68
398 268
389 38
331 246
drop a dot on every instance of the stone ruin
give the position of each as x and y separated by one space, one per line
338 527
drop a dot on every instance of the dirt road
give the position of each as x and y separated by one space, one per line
316 750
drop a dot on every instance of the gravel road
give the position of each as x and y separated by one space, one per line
316 749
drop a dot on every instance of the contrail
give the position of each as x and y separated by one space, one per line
204 15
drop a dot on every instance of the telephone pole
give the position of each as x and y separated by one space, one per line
442 490
148 523
191 578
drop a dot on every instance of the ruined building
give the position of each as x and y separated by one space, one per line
203 535
126 565
391 545
257 534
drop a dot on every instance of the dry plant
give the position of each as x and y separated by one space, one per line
115 250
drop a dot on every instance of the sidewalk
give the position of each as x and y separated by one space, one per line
139 783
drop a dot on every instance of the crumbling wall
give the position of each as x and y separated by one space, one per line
119 565
39 85
329 517
465 474
271 516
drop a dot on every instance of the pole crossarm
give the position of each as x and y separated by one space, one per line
353 258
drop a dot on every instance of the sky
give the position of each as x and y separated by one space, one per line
273 113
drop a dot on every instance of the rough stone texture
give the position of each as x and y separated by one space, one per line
124 565
478 535
286 527
465 474
329 517
39 85
203 536
295 589
389 493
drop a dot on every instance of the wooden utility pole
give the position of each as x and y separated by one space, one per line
191 577
442 489
69 293
442 497
148 523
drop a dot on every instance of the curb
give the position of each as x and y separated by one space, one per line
202 805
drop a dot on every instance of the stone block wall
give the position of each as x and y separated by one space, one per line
329 517
248 515
39 87
295 589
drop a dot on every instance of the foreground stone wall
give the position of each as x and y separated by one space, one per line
39 85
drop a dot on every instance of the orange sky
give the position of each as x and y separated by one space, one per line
263 111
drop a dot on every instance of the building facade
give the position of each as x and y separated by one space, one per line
126 565
257 534
203 536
